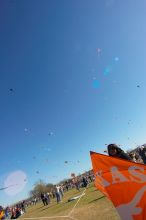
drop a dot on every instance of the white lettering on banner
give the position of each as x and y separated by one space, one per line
140 177
117 176
136 174
127 210
105 183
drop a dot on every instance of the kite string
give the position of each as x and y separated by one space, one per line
76 203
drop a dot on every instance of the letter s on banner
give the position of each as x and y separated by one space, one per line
140 177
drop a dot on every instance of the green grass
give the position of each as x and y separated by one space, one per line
92 206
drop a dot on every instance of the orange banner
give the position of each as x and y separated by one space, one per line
123 182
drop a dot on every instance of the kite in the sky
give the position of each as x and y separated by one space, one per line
27 131
66 161
11 90
138 86
3 188
37 172
50 133
98 50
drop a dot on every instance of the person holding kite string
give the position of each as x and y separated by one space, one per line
115 151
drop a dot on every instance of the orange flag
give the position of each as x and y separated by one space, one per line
123 182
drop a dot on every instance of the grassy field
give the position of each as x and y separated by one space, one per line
92 206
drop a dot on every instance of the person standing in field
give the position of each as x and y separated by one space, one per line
57 191
2 213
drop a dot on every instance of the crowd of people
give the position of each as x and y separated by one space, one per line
57 192
12 212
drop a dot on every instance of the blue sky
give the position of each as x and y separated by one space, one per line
76 70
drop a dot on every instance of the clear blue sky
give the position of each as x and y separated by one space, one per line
53 79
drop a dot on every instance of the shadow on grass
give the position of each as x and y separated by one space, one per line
40 207
97 199
47 207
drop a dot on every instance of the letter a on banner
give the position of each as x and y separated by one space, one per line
123 182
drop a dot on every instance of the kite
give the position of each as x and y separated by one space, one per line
8 187
50 133
11 90
27 130
123 182
76 197
98 50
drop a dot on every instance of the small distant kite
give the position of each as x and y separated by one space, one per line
98 50
8 187
11 90
37 172
50 133
3 188
138 86
27 130
66 161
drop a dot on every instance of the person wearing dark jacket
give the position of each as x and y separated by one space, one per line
142 153
115 151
